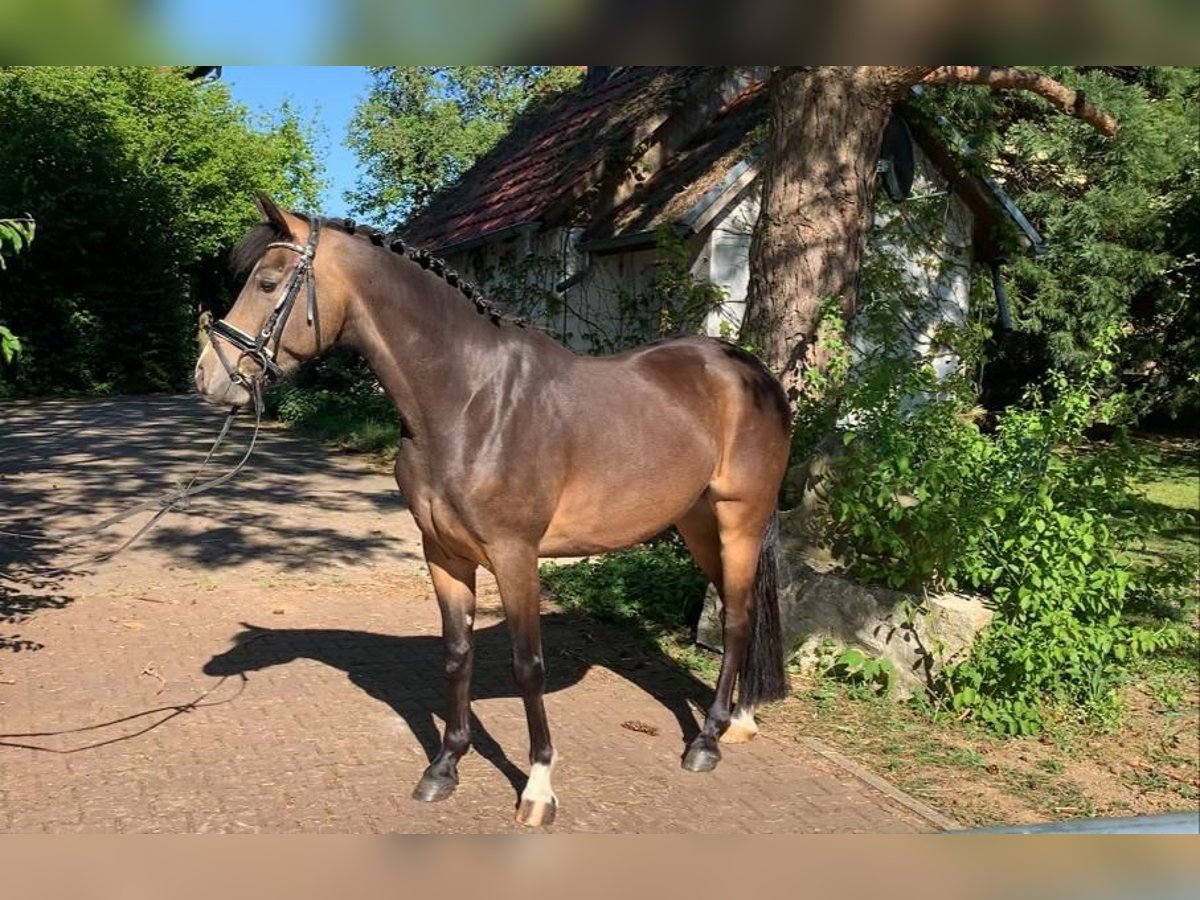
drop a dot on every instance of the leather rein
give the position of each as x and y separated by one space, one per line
261 350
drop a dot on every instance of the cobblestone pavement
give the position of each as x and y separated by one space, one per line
269 660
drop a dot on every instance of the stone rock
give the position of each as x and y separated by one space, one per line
820 609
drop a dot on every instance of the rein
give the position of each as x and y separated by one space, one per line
177 499
262 350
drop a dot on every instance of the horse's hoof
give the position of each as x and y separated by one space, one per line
536 813
430 789
701 759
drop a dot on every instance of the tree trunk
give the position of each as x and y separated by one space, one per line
818 184
827 125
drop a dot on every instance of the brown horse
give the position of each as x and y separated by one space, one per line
516 448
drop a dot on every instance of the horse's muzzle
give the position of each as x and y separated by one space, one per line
215 386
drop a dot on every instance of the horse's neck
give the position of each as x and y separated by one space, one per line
424 343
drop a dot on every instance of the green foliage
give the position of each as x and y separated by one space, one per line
1121 217
139 180
421 127
363 423
854 667
14 235
655 585
683 300
921 497
675 302
10 345
338 400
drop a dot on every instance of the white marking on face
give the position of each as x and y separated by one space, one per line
470 620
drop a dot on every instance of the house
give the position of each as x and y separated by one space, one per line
564 221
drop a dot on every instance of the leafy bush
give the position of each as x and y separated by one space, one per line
363 422
336 399
140 181
14 235
922 497
656 585
860 669
1120 218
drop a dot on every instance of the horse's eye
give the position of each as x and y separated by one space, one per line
267 286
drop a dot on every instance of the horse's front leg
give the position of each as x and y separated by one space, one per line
454 583
516 574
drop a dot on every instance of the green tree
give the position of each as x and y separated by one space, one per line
421 127
1121 218
827 124
14 235
139 180
1115 201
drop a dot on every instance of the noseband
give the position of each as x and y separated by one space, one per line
262 349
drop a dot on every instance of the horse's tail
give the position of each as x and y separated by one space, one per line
763 676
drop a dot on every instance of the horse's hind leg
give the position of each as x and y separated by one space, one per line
740 526
454 583
703 538
698 528
516 574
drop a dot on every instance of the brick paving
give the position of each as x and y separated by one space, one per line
269 661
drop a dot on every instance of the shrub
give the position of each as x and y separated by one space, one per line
654 585
364 423
922 497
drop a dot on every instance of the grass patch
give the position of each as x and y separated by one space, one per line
1165 500
1165 591
655 589
362 421
980 778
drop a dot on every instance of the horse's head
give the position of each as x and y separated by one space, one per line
290 309
254 648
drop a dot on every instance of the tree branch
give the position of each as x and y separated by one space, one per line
1069 101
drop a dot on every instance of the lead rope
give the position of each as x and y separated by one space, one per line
257 349
177 499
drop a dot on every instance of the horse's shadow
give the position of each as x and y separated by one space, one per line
406 672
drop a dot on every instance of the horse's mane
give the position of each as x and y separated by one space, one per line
250 249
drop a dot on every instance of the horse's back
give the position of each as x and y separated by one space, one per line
713 370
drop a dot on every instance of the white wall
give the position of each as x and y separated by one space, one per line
728 257
939 269
928 238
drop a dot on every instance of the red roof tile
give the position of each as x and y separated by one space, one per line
548 158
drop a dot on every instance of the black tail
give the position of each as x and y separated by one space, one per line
762 676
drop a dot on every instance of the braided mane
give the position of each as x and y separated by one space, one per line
254 245
425 260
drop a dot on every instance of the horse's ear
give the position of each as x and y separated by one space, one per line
270 212
249 634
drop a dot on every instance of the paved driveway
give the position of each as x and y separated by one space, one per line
269 660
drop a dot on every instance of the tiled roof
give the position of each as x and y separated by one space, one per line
544 167
548 159
694 176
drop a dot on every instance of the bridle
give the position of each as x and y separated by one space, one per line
262 350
